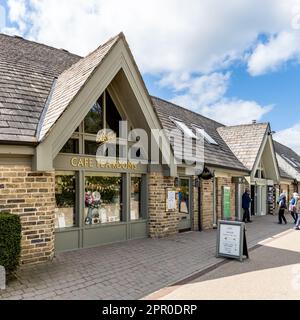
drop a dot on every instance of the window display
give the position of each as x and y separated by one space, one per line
135 198
103 197
65 196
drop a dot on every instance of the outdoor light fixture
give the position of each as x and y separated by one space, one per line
206 174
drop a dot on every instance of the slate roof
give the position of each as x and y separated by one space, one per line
27 72
245 141
218 155
70 82
288 155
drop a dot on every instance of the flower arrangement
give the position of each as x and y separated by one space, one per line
92 202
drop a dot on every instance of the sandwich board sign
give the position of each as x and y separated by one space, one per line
231 240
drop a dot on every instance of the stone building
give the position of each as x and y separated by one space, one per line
57 109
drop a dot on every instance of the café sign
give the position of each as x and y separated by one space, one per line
90 163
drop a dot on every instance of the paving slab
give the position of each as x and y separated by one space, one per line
131 269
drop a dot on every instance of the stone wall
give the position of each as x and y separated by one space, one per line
195 214
31 195
207 204
161 222
225 182
207 201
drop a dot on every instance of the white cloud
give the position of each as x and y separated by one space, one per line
187 45
290 137
205 95
2 17
278 50
165 36
231 112
199 90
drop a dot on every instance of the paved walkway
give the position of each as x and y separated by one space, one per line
272 273
128 270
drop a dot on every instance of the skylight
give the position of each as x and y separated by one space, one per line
297 162
206 136
289 161
185 129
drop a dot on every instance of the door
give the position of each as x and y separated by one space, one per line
184 204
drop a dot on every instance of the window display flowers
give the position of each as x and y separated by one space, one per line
92 202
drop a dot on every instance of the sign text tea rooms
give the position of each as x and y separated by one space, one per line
78 162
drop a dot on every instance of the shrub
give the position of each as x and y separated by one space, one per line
10 241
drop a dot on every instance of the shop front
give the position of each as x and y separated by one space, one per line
98 200
96 206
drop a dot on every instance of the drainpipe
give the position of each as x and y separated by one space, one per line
215 218
199 206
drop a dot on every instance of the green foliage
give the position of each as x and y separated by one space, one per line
10 241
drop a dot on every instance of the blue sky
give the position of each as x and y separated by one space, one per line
235 62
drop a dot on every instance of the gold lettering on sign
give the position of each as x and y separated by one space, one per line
90 163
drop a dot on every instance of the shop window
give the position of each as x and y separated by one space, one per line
103 199
90 147
184 196
93 122
72 146
135 198
65 196
112 115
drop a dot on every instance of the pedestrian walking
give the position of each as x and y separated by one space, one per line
246 202
282 208
297 227
293 207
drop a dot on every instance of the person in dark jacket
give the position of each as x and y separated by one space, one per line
282 208
246 201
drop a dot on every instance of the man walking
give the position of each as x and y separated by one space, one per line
246 201
282 208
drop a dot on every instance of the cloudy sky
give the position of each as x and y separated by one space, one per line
234 60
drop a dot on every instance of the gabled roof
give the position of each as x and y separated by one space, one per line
69 84
245 141
290 157
217 155
27 72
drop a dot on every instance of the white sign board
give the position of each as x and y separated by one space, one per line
61 220
230 240
171 200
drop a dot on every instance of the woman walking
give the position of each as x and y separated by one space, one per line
282 208
293 206
298 213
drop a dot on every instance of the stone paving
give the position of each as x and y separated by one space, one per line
128 270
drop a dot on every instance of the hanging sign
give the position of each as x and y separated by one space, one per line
231 240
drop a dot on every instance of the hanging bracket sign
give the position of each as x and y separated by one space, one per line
231 240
